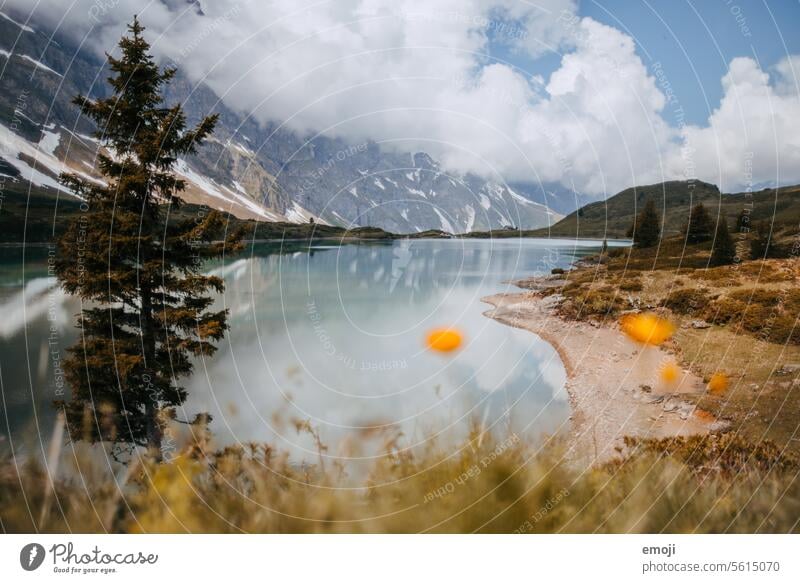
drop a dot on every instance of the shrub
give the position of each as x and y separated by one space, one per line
728 454
725 310
782 330
764 313
720 276
617 251
766 271
633 284
602 302
757 296
687 301
770 314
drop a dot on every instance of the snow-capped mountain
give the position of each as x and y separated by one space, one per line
252 170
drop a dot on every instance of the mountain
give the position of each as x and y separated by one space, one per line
554 196
252 170
613 216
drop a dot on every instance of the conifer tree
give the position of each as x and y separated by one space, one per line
700 227
646 229
138 272
723 251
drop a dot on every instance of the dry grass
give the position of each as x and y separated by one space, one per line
751 310
714 484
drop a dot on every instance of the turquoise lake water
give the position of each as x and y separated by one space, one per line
327 333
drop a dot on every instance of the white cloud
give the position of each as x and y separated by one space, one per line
600 121
786 73
417 77
753 137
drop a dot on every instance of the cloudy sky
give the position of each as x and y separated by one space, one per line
595 95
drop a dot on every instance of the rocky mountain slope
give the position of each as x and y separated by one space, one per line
251 170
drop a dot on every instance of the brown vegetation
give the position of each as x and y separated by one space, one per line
708 484
739 319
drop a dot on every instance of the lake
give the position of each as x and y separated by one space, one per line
334 334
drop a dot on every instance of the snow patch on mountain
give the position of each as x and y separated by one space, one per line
49 141
39 64
14 145
297 214
470 210
24 27
221 192
446 225
238 196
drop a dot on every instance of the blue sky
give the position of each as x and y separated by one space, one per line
693 41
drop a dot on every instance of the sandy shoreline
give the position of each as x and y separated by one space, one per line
613 383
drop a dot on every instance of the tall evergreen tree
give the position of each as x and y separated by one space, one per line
646 228
723 251
700 227
139 272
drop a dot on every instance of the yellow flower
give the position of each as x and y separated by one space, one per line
669 372
718 383
444 339
647 328
167 501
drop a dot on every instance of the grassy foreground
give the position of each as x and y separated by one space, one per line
709 484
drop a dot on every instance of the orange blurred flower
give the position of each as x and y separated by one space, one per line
718 383
647 328
444 339
669 372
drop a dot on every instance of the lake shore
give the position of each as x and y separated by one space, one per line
613 383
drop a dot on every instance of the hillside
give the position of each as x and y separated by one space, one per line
612 218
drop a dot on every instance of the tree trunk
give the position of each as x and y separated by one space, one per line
154 432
